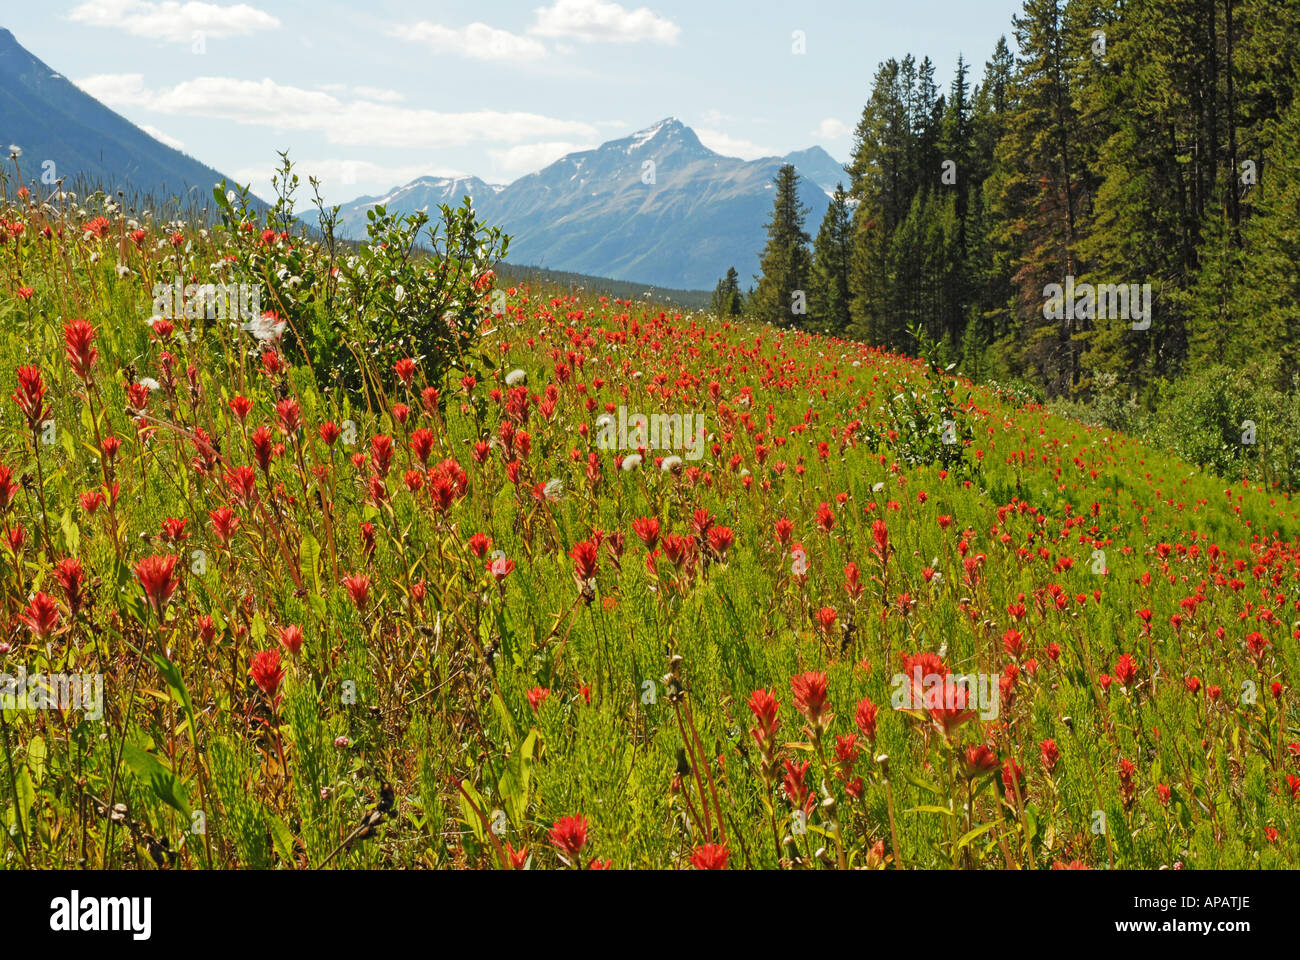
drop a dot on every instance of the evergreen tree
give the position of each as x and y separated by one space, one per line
1038 191
1270 295
832 259
727 300
786 265
881 186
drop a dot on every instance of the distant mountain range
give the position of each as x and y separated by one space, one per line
657 207
51 119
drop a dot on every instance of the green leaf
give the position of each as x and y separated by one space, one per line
972 835
930 808
71 532
515 780
176 684
471 818
310 552
160 780
26 798
281 837
919 781
36 757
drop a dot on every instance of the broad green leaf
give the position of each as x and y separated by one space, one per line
281 838
515 780
36 757
175 683
71 532
160 780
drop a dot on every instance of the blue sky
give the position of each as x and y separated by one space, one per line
368 95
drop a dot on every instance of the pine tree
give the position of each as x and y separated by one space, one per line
1039 190
727 300
786 265
832 259
1271 294
881 186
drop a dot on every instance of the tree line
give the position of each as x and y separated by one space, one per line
1127 146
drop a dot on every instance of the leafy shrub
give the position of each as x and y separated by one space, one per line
1205 418
414 287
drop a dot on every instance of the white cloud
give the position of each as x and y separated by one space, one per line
603 21
730 146
171 21
117 89
364 93
378 93
832 129
162 137
478 41
352 123
530 157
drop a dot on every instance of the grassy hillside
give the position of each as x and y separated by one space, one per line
437 624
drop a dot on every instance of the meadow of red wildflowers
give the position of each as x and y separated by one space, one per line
433 623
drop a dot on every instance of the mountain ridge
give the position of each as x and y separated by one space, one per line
85 139
655 206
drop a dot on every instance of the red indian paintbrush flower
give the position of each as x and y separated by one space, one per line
1013 779
291 638
78 347
422 444
784 528
7 488
1013 642
569 834
157 576
880 536
242 483
41 616
358 586
518 858
763 705
852 580
721 540
647 528
680 550
585 554
978 760
289 414
263 447
30 395
711 856
865 718
1050 754
537 696
1126 669
500 568
224 524
71 576
266 671
810 692
381 453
